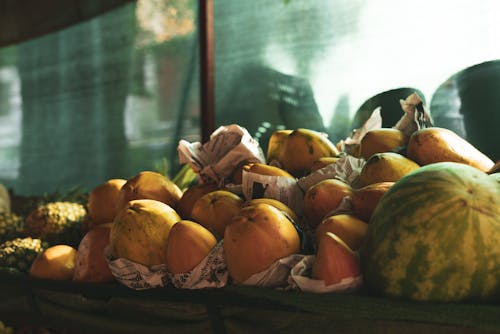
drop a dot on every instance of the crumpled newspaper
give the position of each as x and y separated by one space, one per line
294 273
415 116
347 169
281 188
211 272
216 160
135 275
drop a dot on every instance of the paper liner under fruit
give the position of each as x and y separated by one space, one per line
216 160
135 275
277 274
300 279
211 272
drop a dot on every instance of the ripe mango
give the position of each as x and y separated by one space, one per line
335 260
381 140
322 198
188 243
139 231
302 148
277 204
365 199
215 210
90 262
257 237
191 195
103 201
150 185
347 227
385 167
276 144
56 262
436 144
264 169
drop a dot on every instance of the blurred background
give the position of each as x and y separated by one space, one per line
109 94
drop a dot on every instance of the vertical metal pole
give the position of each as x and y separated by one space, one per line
207 68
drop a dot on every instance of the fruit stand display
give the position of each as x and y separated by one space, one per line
390 230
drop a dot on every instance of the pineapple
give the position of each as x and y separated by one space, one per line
11 226
57 223
20 253
4 199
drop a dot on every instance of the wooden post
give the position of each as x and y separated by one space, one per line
207 99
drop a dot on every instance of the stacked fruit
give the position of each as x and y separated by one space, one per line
416 214
31 224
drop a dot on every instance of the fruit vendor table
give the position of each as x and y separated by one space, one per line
112 308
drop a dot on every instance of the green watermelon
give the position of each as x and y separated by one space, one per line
435 236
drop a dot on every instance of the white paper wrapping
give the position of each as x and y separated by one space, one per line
414 118
281 188
135 275
347 169
217 159
211 272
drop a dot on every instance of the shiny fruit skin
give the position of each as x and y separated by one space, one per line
364 200
302 148
436 144
150 185
381 140
56 263
334 261
103 201
257 237
215 210
349 228
190 196
385 167
187 245
323 198
140 230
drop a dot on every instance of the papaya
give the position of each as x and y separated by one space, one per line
385 167
302 148
322 198
188 243
347 227
276 144
263 169
381 140
437 144
364 200
335 260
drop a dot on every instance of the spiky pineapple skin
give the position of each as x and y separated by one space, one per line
57 222
11 226
20 253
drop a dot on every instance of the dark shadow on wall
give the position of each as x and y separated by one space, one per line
390 106
262 99
469 104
